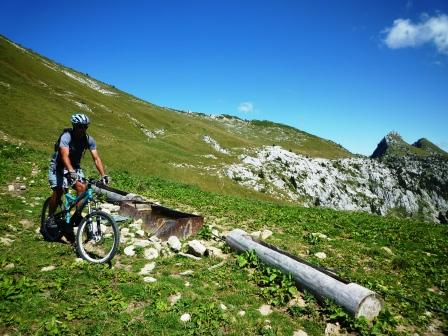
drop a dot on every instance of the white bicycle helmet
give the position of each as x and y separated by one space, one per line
80 119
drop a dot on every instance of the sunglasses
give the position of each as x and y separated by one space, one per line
82 127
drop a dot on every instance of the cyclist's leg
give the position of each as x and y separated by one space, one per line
57 184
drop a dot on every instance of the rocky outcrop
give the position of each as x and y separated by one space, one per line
408 184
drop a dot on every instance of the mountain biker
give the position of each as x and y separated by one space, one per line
65 169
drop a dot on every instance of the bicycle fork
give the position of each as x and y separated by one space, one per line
94 233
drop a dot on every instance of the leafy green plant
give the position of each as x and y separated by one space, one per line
205 232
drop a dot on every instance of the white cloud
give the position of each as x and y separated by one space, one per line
405 33
246 107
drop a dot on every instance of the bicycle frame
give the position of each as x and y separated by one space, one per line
71 201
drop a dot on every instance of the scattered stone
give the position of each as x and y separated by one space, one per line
187 284
241 313
300 333
187 255
187 272
196 248
23 187
298 301
157 246
387 249
140 233
174 243
217 265
11 187
185 317
110 207
266 234
172 299
320 255
265 310
26 223
332 329
142 242
319 235
124 231
155 239
151 253
215 252
256 234
223 306
135 226
79 260
6 241
147 268
129 250
149 279
9 266
215 233
48 268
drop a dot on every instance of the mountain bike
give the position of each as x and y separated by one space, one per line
97 236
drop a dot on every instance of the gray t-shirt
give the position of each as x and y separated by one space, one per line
76 149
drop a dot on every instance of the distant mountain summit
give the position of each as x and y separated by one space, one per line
393 145
428 146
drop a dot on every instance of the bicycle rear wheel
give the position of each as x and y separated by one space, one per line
49 228
97 238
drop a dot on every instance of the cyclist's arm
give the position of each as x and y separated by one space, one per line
64 152
98 163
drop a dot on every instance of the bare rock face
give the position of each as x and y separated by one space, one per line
412 183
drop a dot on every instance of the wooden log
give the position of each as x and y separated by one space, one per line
357 300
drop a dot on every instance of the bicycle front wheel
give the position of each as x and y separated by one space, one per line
97 238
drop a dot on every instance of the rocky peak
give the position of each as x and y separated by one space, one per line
428 146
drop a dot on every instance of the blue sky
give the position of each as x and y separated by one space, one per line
349 71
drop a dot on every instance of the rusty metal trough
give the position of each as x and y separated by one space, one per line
158 220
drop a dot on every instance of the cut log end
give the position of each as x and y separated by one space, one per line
370 307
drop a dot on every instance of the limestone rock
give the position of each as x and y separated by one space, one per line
196 248
48 268
147 268
320 255
151 253
265 234
185 317
265 310
149 279
129 250
174 243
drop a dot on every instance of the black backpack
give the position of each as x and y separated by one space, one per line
70 130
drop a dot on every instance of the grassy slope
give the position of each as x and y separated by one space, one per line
84 299
39 100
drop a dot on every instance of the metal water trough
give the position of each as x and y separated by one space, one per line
158 220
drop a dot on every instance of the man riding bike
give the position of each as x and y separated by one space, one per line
65 169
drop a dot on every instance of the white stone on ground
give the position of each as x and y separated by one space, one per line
187 255
332 329
174 243
215 252
256 234
319 235
140 233
149 279
147 268
241 313
265 234
79 260
136 226
300 333
185 317
142 242
388 250
129 250
6 241
11 187
223 306
172 299
320 255
187 284
48 268
265 310
9 266
151 253
187 272
196 248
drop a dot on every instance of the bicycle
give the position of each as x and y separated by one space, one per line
98 235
